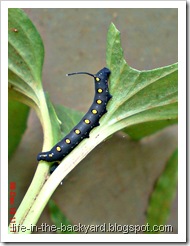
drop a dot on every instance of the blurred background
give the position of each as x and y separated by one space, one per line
114 182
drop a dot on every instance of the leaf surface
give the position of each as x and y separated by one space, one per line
17 124
145 99
59 219
26 55
163 194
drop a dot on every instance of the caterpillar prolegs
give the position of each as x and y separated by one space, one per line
87 123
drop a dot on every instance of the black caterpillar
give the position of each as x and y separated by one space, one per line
88 122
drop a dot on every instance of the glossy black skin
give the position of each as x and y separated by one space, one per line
66 148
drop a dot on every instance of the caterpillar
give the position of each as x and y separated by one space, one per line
87 123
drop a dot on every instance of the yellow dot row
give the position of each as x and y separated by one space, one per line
87 121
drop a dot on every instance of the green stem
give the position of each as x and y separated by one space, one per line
41 173
40 200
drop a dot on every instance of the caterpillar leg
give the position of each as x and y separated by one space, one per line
53 167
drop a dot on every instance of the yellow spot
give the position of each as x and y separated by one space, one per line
58 148
99 101
50 155
77 131
87 121
100 90
67 140
97 79
94 111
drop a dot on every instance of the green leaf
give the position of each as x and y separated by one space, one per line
164 192
26 55
147 128
69 118
66 119
143 101
17 120
59 219
56 124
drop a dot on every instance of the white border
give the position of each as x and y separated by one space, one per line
181 236
92 4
